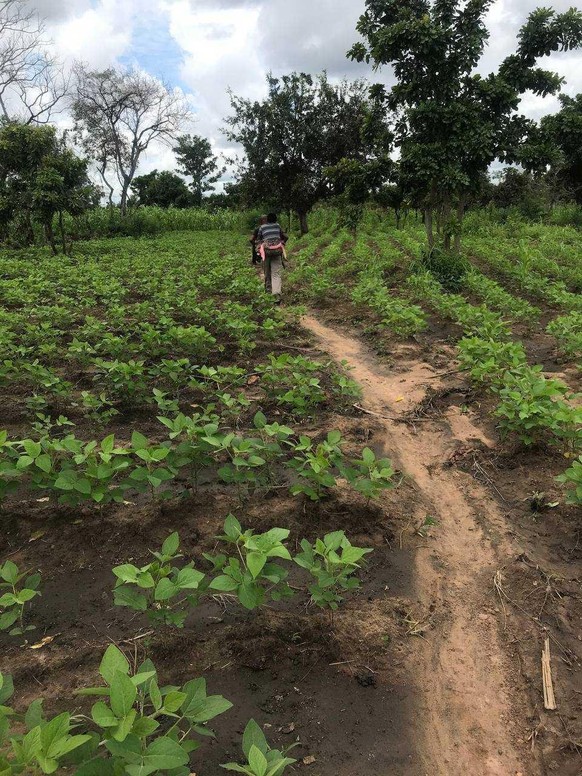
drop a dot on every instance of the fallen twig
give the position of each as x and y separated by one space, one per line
549 698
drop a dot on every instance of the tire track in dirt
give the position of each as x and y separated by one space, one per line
466 687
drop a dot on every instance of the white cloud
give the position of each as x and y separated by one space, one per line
98 35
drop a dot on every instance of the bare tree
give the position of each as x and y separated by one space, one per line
118 114
32 82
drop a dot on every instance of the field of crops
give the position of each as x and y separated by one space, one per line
212 518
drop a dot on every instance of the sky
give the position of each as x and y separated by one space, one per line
205 47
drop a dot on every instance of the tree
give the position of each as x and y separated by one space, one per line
564 131
449 122
32 83
40 179
165 189
303 127
118 114
196 160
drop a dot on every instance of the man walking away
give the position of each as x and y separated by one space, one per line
254 241
272 241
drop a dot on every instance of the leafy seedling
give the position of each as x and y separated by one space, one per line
20 589
165 592
261 760
251 574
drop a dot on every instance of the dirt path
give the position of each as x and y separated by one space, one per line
470 707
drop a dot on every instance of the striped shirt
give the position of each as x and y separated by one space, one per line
271 233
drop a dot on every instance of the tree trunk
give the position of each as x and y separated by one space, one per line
428 223
123 200
397 214
50 237
303 225
62 231
460 216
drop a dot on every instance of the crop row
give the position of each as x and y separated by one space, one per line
104 471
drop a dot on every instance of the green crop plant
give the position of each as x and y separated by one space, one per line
567 329
97 407
197 439
333 562
572 479
260 758
368 475
155 468
31 744
93 473
144 729
125 380
292 382
536 408
487 360
315 465
251 572
17 589
164 403
165 592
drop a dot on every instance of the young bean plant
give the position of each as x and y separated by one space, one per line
332 562
251 573
260 759
17 589
165 592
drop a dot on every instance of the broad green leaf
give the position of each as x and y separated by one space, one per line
189 579
139 441
33 715
170 546
255 563
54 730
224 584
128 596
103 716
165 589
125 726
258 761
174 700
123 694
9 572
254 736
232 527
113 660
211 707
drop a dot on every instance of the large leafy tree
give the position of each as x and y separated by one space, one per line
165 189
304 126
196 161
563 132
40 180
450 123
118 115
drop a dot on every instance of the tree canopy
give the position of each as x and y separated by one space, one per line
304 126
196 161
450 123
164 189
40 178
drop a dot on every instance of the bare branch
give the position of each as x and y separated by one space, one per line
118 114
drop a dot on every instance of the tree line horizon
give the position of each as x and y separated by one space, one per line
427 142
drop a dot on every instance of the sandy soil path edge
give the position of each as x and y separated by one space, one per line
470 704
